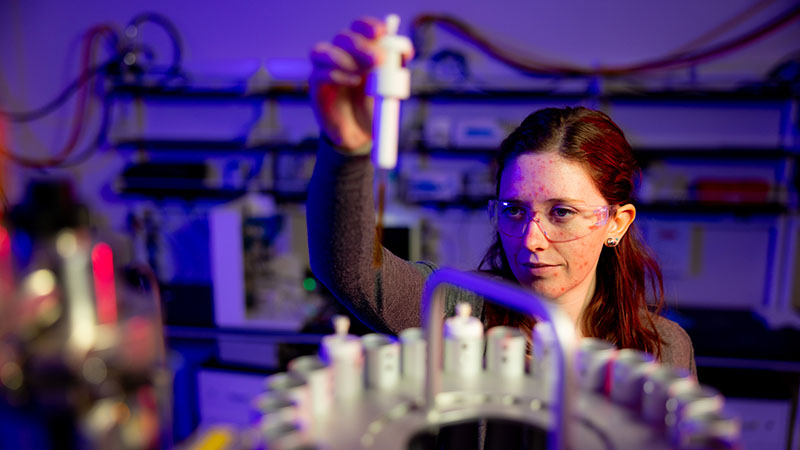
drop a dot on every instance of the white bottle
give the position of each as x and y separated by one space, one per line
389 84
344 354
463 343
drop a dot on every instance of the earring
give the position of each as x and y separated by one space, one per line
612 242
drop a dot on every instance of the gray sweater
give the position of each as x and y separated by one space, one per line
341 233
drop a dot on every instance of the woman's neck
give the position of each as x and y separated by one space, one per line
574 302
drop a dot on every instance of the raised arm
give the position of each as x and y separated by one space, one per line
340 206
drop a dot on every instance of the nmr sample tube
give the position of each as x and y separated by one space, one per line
389 83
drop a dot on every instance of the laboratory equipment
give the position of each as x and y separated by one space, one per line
584 394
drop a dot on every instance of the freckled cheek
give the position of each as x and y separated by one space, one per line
585 255
582 256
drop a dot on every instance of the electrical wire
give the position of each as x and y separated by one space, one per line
172 33
675 60
49 107
89 71
714 52
78 118
100 140
85 76
714 33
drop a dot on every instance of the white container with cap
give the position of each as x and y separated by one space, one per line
389 83
463 343
689 399
319 377
268 408
592 362
628 370
414 351
382 355
655 392
711 430
294 388
344 354
505 352
543 360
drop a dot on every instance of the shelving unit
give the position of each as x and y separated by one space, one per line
771 149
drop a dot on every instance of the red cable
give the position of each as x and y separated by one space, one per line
80 108
683 59
719 50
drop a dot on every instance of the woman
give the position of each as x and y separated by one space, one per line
563 217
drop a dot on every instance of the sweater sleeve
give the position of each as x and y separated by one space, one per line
340 214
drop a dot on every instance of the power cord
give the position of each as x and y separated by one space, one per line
539 68
128 55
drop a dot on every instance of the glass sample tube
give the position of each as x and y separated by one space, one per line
389 83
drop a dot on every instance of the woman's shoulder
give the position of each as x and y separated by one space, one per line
677 348
669 329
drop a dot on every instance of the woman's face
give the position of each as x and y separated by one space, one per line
542 181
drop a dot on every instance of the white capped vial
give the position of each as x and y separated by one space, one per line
543 361
382 361
628 370
292 387
389 83
463 343
711 430
689 399
592 361
413 354
270 407
319 377
505 352
344 354
655 392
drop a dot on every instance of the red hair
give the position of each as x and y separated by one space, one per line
618 310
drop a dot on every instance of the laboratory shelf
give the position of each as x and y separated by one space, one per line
188 92
174 191
216 145
473 94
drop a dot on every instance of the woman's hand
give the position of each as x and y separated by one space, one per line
338 77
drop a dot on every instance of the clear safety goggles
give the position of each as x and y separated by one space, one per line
561 223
